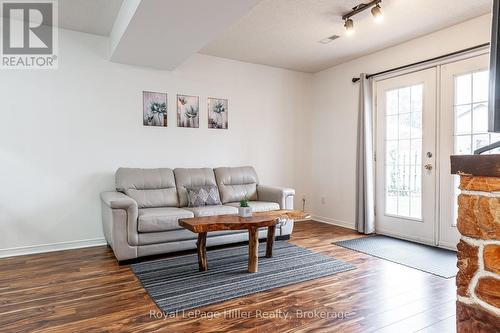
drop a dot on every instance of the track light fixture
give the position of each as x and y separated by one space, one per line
349 26
376 13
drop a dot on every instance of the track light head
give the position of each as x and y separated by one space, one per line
349 26
377 13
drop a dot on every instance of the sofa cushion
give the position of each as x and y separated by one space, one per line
236 183
161 219
192 177
149 187
212 210
258 206
180 235
204 195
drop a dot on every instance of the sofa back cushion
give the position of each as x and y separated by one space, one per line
192 177
149 187
237 183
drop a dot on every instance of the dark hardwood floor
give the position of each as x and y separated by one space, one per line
87 291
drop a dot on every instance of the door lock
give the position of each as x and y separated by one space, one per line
429 154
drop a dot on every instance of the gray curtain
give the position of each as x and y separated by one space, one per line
365 184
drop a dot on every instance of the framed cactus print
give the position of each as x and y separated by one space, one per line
217 113
154 109
188 111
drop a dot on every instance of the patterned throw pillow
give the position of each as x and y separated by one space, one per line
204 195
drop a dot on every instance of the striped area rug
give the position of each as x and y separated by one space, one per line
175 284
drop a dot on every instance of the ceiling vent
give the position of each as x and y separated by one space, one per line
329 39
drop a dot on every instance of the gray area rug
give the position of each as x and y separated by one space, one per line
426 258
175 284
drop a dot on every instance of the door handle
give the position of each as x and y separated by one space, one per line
428 167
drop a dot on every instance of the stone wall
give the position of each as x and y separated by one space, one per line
478 278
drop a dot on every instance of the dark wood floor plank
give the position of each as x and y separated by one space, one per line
87 291
445 325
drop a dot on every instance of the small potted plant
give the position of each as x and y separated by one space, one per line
244 210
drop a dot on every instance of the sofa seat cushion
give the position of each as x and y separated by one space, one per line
161 219
212 210
258 206
174 236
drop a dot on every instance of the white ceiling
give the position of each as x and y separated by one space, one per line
90 16
162 34
285 33
281 33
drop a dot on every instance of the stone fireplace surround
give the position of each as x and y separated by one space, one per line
478 278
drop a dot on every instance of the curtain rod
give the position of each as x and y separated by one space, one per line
356 79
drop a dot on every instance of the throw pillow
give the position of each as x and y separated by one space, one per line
204 195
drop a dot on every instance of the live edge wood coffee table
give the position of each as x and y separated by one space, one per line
202 225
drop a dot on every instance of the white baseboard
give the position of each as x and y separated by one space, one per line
448 246
20 251
339 223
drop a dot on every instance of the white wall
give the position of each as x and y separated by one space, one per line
64 132
334 115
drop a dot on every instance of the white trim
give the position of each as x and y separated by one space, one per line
431 64
426 241
42 248
339 223
447 245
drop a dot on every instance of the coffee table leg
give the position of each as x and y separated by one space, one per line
253 249
202 251
270 241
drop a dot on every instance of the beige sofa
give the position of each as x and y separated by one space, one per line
141 217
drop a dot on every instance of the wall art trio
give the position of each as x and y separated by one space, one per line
155 107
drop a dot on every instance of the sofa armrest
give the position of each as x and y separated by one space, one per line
281 195
119 221
117 200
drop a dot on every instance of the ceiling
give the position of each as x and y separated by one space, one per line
280 33
179 29
90 16
285 33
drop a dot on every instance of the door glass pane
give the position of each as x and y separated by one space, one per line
463 119
404 123
463 91
392 102
416 124
404 100
480 86
391 193
415 192
463 144
403 158
416 153
391 132
471 119
480 118
479 141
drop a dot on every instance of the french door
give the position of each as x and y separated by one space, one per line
421 119
405 156
463 129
